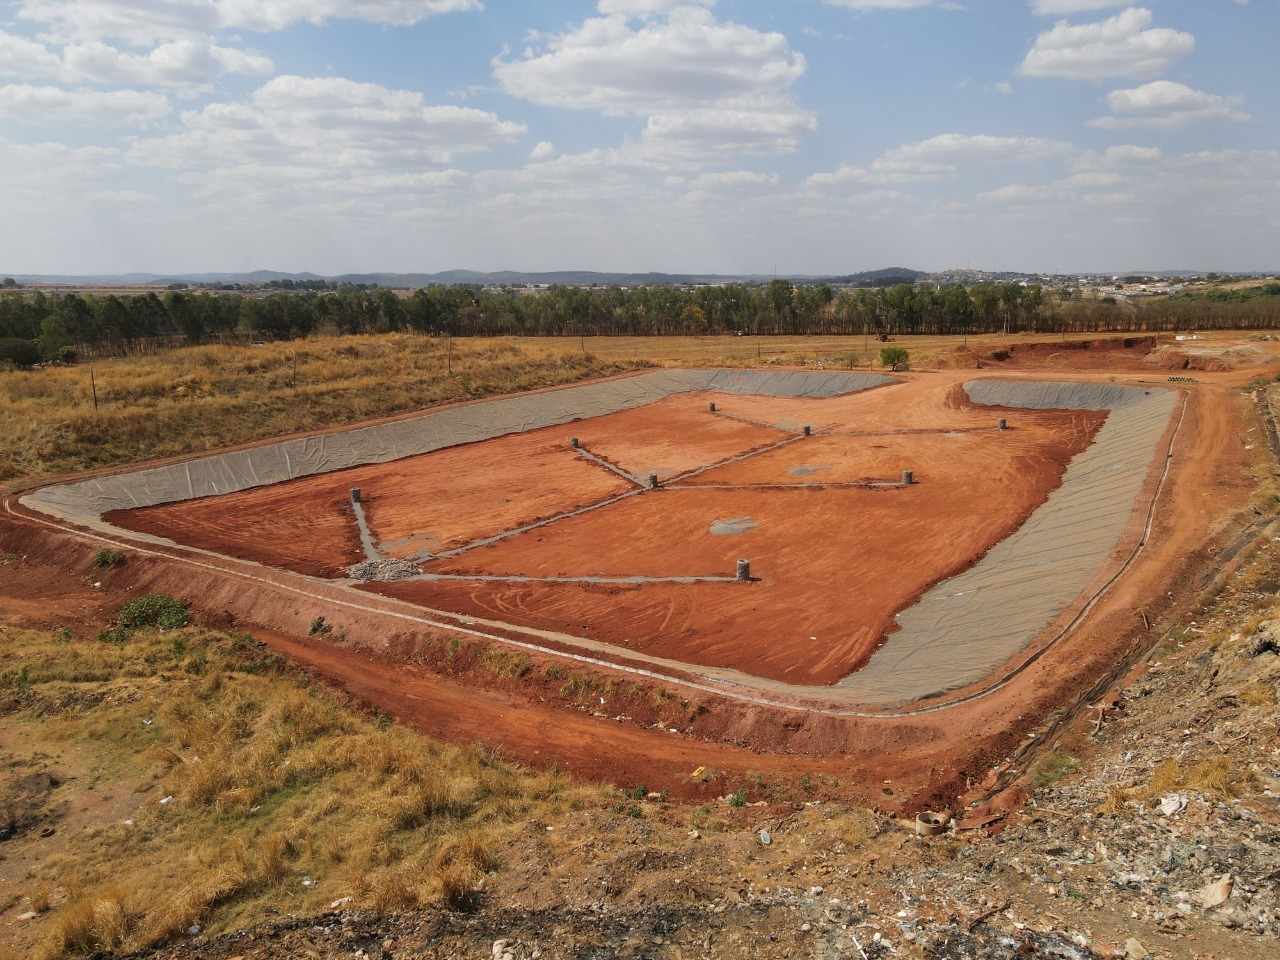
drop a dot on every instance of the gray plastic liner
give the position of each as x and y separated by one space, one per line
85 501
959 632
966 627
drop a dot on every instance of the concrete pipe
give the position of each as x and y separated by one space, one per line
653 481
908 477
355 494
712 407
930 824
808 431
573 442
744 570
1002 424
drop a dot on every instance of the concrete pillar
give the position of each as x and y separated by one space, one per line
808 431
1002 424
908 477
653 481
713 407
744 569
355 494
573 442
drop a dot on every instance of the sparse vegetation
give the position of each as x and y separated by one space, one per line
106 558
270 783
157 610
1052 766
200 398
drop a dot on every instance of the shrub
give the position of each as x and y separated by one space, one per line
107 558
20 353
738 799
154 610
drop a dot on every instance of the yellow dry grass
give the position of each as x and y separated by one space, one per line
200 398
282 798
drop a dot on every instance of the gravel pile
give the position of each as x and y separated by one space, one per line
384 570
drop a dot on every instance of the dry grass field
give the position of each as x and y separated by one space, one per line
215 785
197 399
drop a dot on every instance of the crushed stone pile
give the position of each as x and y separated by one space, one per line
384 570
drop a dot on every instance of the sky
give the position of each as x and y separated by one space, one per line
686 136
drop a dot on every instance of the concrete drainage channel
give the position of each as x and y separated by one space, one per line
957 634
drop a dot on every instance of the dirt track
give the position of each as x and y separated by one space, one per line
928 759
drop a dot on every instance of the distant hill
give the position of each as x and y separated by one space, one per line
888 277
413 281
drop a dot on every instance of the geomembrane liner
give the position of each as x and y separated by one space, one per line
957 634
964 628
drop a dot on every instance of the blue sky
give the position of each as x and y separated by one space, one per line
729 136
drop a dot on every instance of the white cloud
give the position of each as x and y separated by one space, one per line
1097 179
952 148
640 8
144 22
704 86
734 178
1017 193
686 60
299 135
884 4
276 14
1166 105
53 106
940 157
1050 7
1121 46
25 60
545 150
185 63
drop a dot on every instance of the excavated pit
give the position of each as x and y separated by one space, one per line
976 568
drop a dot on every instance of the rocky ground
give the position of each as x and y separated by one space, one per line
1151 829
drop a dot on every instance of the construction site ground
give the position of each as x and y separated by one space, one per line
1071 835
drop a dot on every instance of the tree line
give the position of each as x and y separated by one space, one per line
55 322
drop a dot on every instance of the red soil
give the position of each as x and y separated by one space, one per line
800 622
899 763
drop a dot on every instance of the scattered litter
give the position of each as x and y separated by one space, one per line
1217 893
168 799
1172 804
765 838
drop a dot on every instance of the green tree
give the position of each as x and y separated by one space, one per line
893 357
53 338
14 351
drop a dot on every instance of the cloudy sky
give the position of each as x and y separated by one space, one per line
731 136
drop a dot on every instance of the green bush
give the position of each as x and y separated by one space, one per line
19 353
106 558
154 610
